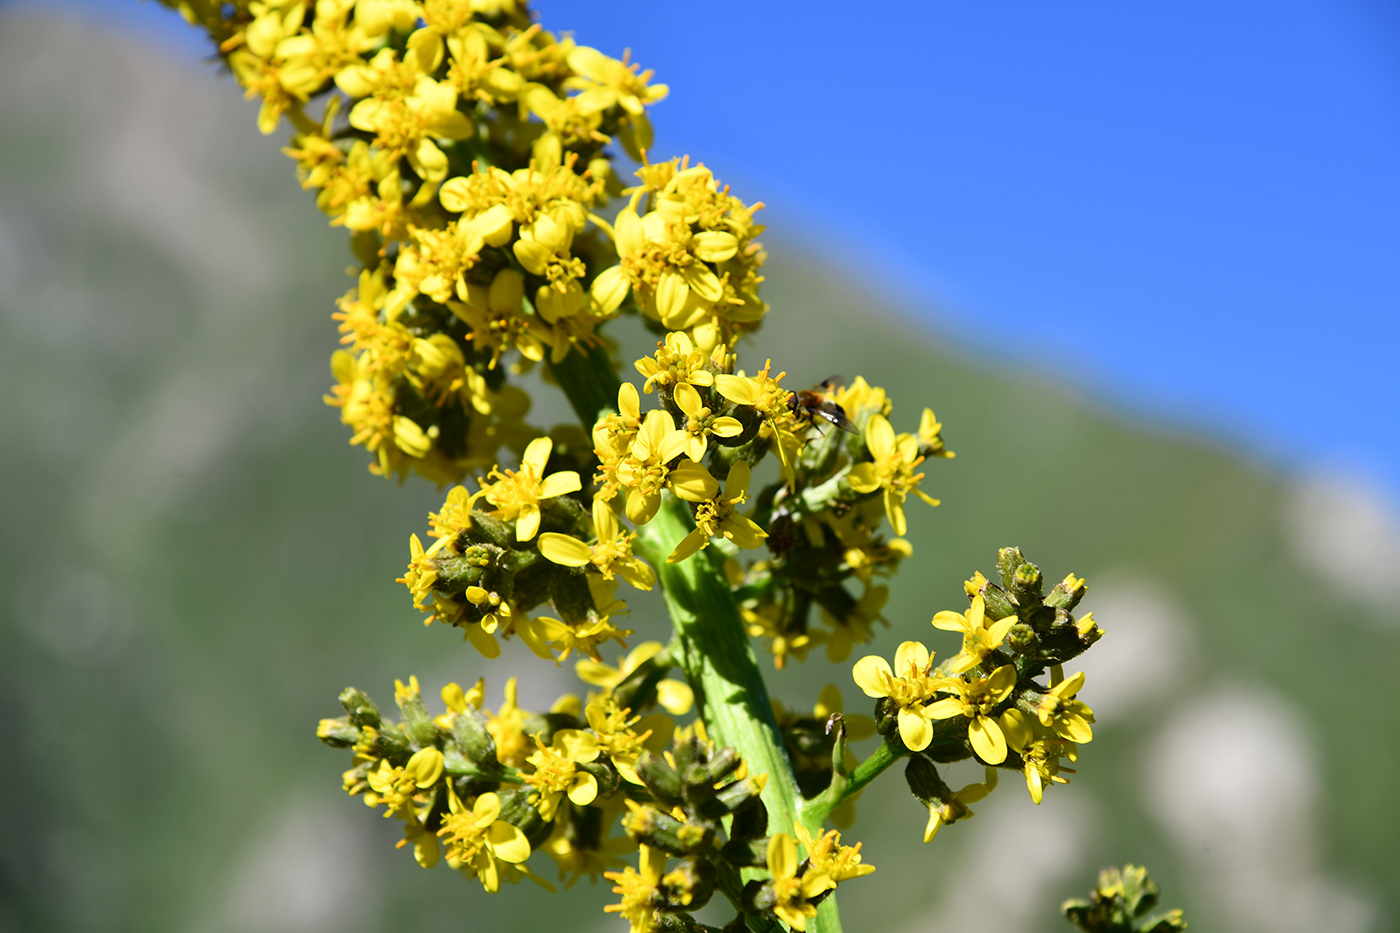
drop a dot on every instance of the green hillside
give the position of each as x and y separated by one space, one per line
195 563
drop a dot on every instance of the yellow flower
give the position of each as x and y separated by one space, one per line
517 495
610 553
720 515
1060 711
606 82
930 436
909 686
1040 753
613 435
397 787
584 638
690 261
700 421
507 728
979 638
771 400
827 855
477 839
640 896
976 700
675 696
676 362
892 469
644 472
794 893
952 809
618 740
556 773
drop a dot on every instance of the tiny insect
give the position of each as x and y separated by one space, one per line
814 403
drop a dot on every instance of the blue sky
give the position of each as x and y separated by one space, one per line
1192 209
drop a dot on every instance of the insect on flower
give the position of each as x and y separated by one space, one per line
814 403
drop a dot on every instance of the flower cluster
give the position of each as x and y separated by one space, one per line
984 701
469 154
483 791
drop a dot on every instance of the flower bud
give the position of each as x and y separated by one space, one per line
361 708
473 738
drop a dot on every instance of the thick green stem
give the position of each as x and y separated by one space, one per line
711 646
730 695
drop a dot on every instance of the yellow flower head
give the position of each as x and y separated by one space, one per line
892 469
644 471
610 554
720 515
976 700
981 636
909 686
585 638
1058 709
827 855
700 422
638 888
517 494
557 774
794 893
675 696
675 362
477 838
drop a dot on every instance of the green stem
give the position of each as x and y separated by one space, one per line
730 695
816 810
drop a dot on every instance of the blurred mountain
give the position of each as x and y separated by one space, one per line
194 565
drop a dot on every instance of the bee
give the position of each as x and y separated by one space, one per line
813 404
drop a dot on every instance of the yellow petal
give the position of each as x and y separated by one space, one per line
557 484
987 740
715 245
945 709
1001 681
879 437
628 233
487 807
641 508
687 399
726 427
915 730
692 482
689 545
527 523
910 652
736 484
862 478
872 675
583 789
537 455
507 842
564 550
782 856
609 289
671 295
702 281
950 621
738 389
744 532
